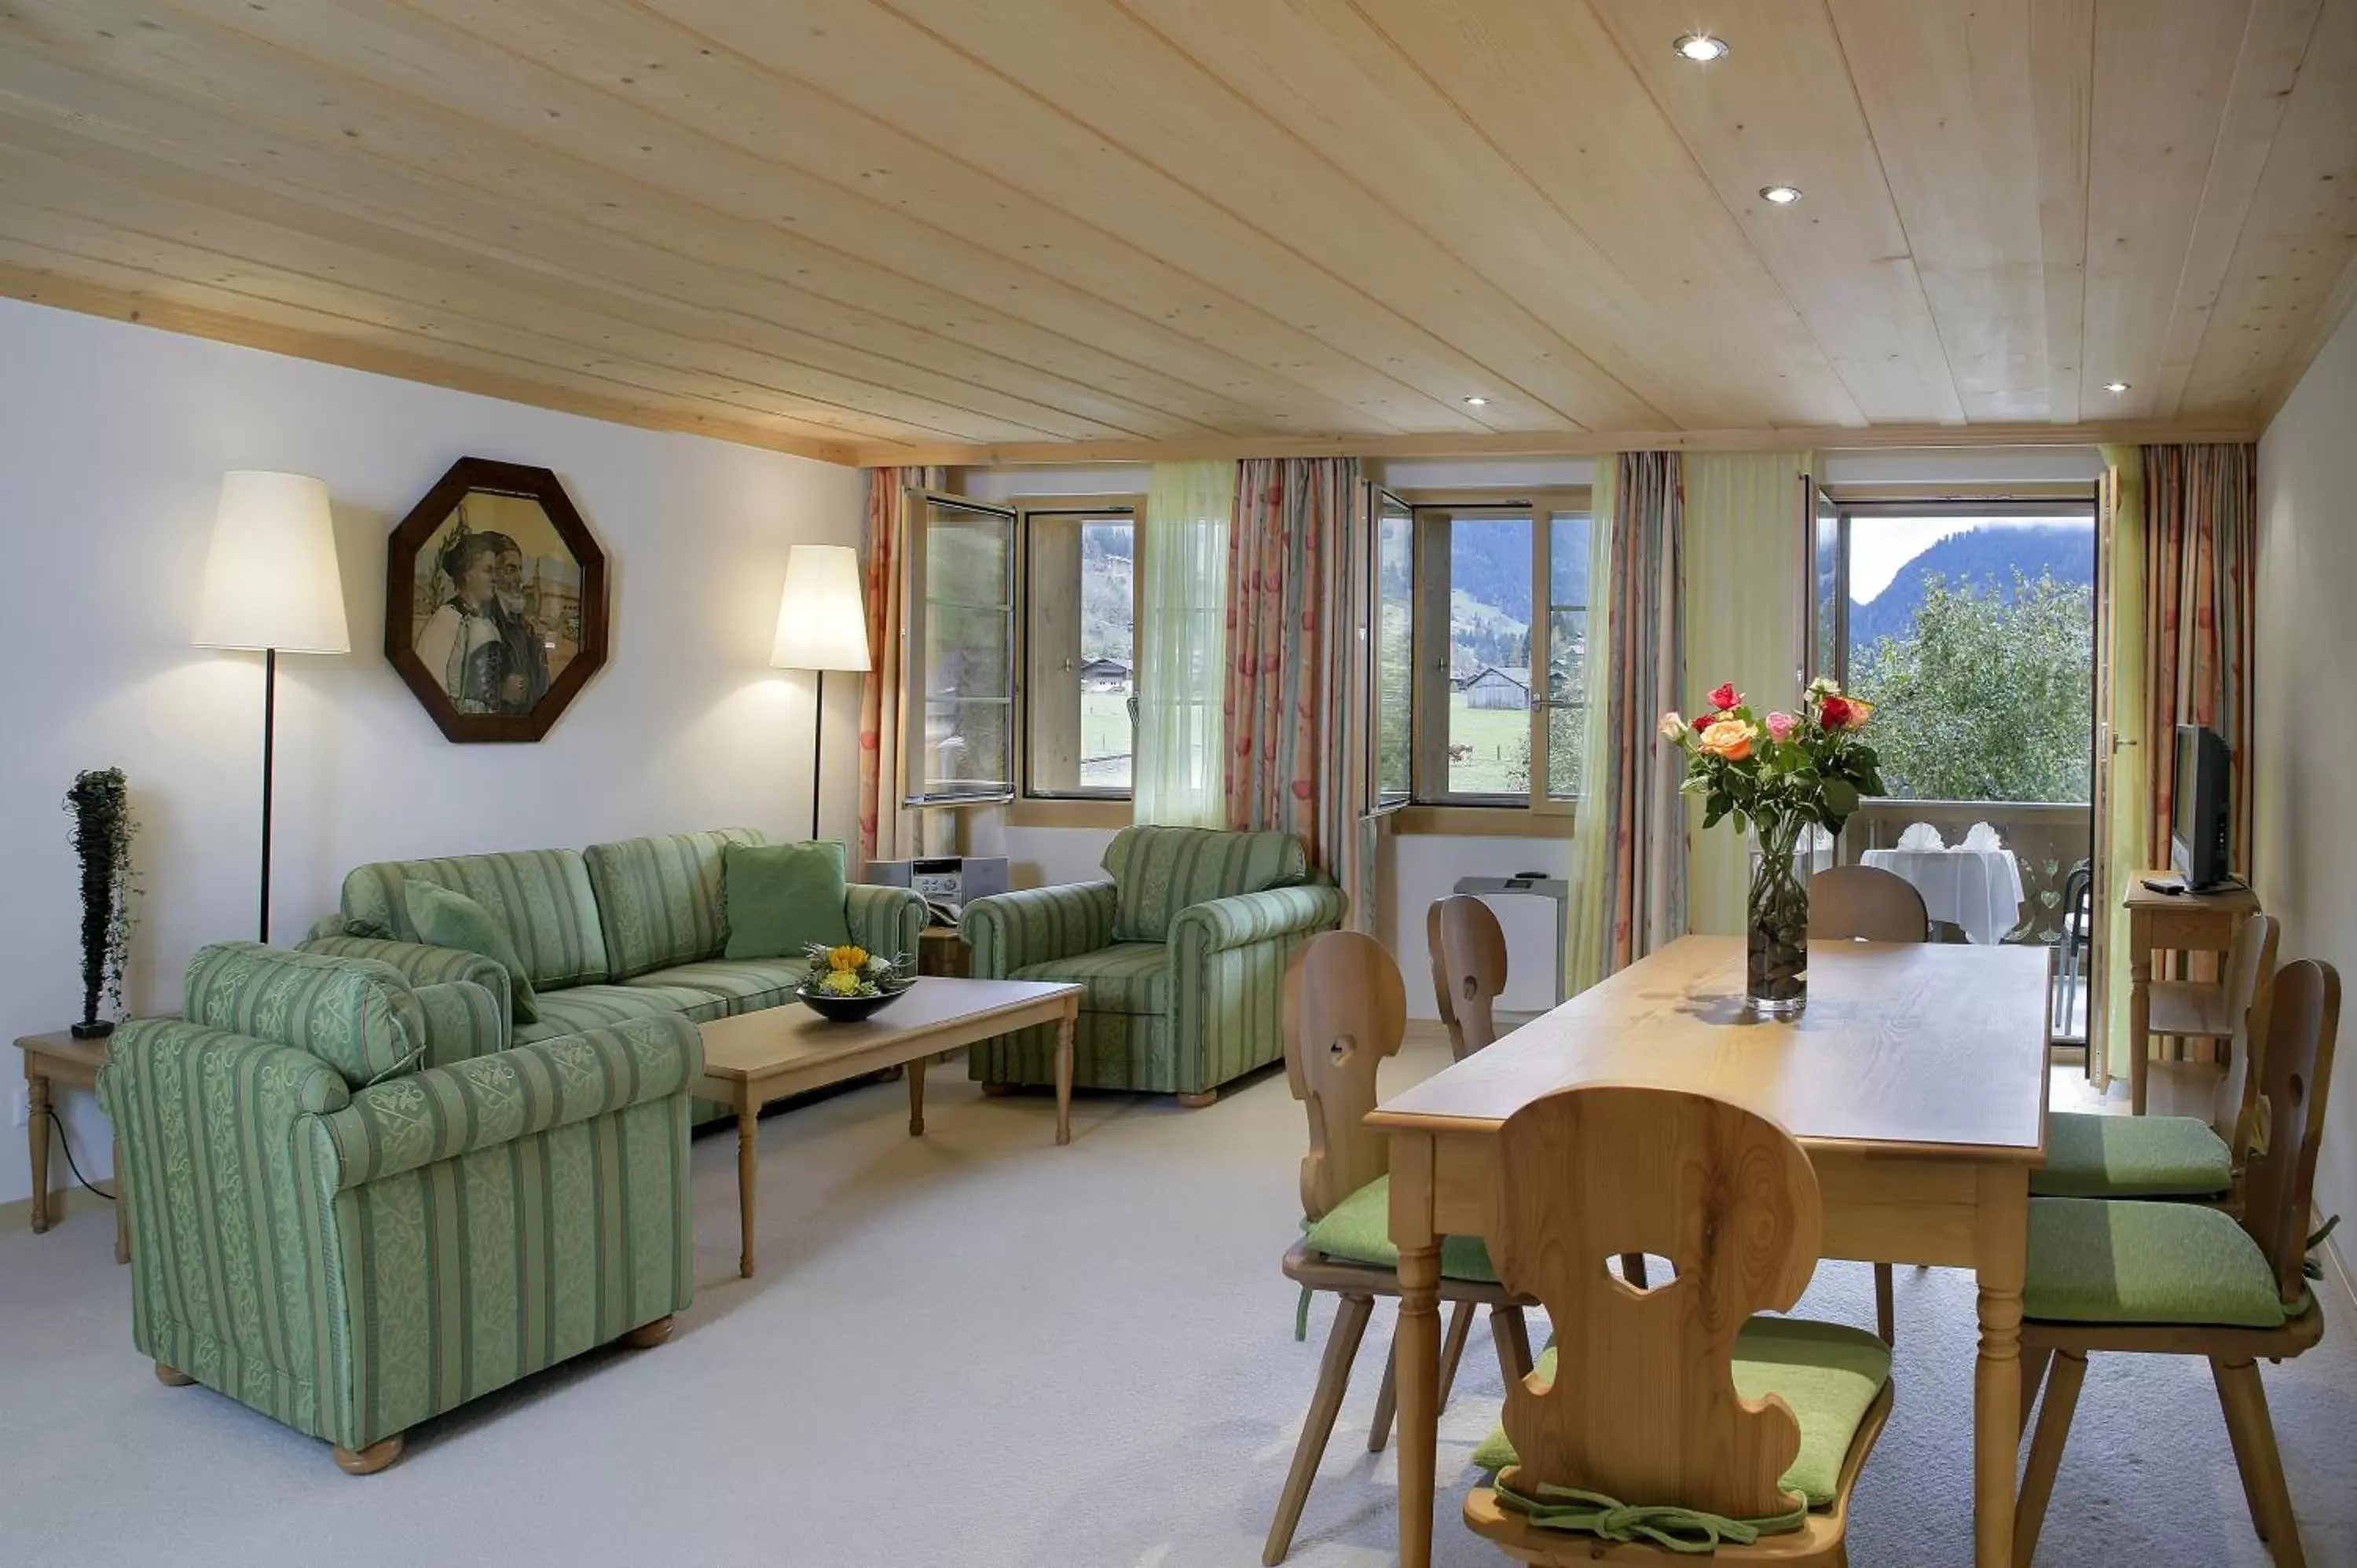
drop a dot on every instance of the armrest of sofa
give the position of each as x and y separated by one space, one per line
426 966
462 1021
1007 931
442 1112
1218 924
884 919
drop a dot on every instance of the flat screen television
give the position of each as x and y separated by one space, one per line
2200 829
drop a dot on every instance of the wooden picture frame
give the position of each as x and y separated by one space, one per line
495 601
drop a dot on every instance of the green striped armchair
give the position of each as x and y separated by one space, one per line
1181 959
351 1210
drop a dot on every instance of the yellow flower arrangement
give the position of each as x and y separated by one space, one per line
847 959
841 982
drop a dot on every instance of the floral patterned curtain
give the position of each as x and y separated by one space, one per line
1295 758
2200 532
885 830
1629 851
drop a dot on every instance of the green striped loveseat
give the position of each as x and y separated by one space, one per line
1181 957
630 930
352 1210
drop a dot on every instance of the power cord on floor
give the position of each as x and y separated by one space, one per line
66 1143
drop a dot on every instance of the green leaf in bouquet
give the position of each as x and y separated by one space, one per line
1841 796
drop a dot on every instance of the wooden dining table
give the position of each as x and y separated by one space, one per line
1915 1079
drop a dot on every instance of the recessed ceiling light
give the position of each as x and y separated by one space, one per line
1781 194
1700 47
2115 387
1477 403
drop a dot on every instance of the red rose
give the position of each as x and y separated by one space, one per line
1834 713
1726 697
1704 721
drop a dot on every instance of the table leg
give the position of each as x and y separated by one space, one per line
1417 1343
916 1070
2139 1018
122 1207
36 1129
1065 1029
748 1166
2000 1252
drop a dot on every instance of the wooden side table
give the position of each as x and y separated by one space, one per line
2183 922
59 1059
941 951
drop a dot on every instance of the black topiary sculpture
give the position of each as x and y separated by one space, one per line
102 838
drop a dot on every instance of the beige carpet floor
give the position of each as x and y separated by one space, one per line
982 1350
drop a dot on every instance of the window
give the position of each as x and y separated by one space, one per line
960 625
1080 666
1499 681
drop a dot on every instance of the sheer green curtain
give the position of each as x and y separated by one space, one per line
1744 579
1182 549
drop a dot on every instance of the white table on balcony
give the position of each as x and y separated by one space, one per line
1978 890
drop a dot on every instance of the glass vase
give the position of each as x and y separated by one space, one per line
1776 970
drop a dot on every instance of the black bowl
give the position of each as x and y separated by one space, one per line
846 1009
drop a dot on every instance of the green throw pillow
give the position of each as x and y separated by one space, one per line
448 920
781 897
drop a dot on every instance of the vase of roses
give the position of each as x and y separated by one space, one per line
1777 776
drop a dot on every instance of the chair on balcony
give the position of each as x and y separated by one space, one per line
2078 927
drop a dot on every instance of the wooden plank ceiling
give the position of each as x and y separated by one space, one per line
887 231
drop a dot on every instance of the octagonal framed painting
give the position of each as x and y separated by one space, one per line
495 601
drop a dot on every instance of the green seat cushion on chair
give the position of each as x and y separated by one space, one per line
447 919
1828 1372
781 898
2094 1155
1127 977
1358 1231
2097 1260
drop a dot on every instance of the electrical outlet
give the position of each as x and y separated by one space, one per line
20 1105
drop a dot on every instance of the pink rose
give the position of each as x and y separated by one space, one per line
1779 724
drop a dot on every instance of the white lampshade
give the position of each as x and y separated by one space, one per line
270 576
821 620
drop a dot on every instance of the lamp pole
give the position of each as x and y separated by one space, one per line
269 742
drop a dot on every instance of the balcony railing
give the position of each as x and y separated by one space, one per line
2047 838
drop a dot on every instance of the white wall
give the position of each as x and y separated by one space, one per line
112 441
2304 763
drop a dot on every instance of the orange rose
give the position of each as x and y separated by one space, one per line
1729 738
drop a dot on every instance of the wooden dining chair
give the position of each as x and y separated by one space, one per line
1866 903
1469 969
1345 1009
1672 1420
2202 1158
2187 1279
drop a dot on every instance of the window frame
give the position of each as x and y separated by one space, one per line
916 677
1432 807
1075 807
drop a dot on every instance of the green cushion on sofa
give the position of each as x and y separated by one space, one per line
1358 1231
781 898
659 899
358 1016
2092 1260
743 985
2093 1155
1828 1372
1127 977
447 919
540 897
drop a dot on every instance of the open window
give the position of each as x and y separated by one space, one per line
959 621
1079 665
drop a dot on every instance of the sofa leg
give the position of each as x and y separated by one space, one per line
172 1377
647 1336
1197 1101
372 1458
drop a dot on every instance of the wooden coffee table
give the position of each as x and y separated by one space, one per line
757 1057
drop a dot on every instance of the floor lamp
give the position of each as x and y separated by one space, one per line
271 583
821 626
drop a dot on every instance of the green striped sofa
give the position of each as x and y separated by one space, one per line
633 929
352 1209
1181 957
